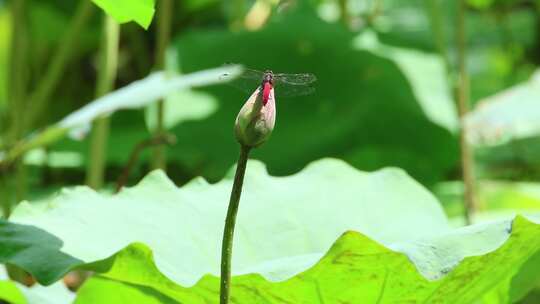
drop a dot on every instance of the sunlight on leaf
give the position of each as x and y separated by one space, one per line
140 11
102 290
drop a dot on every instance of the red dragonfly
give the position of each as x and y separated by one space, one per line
286 85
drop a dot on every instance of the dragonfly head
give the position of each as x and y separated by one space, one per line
268 76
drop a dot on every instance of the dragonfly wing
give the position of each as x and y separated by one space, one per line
289 85
247 82
252 74
244 85
295 79
286 85
293 90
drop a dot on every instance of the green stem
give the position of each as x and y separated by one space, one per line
98 154
467 161
54 72
165 10
18 72
163 38
21 181
12 186
438 31
5 194
230 221
106 77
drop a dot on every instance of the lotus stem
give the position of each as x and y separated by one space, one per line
165 17
467 153
230 221
105 83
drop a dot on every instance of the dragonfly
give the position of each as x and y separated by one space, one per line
286 85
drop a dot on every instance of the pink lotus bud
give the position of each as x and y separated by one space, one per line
256 119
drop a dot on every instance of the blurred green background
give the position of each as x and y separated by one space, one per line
384 97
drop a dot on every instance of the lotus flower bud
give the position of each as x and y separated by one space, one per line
256 119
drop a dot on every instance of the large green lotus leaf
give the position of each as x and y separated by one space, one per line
358 270
353 115
527 279
305 200
103 290
285 244
140 11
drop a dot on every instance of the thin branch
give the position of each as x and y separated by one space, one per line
162 139
467 157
